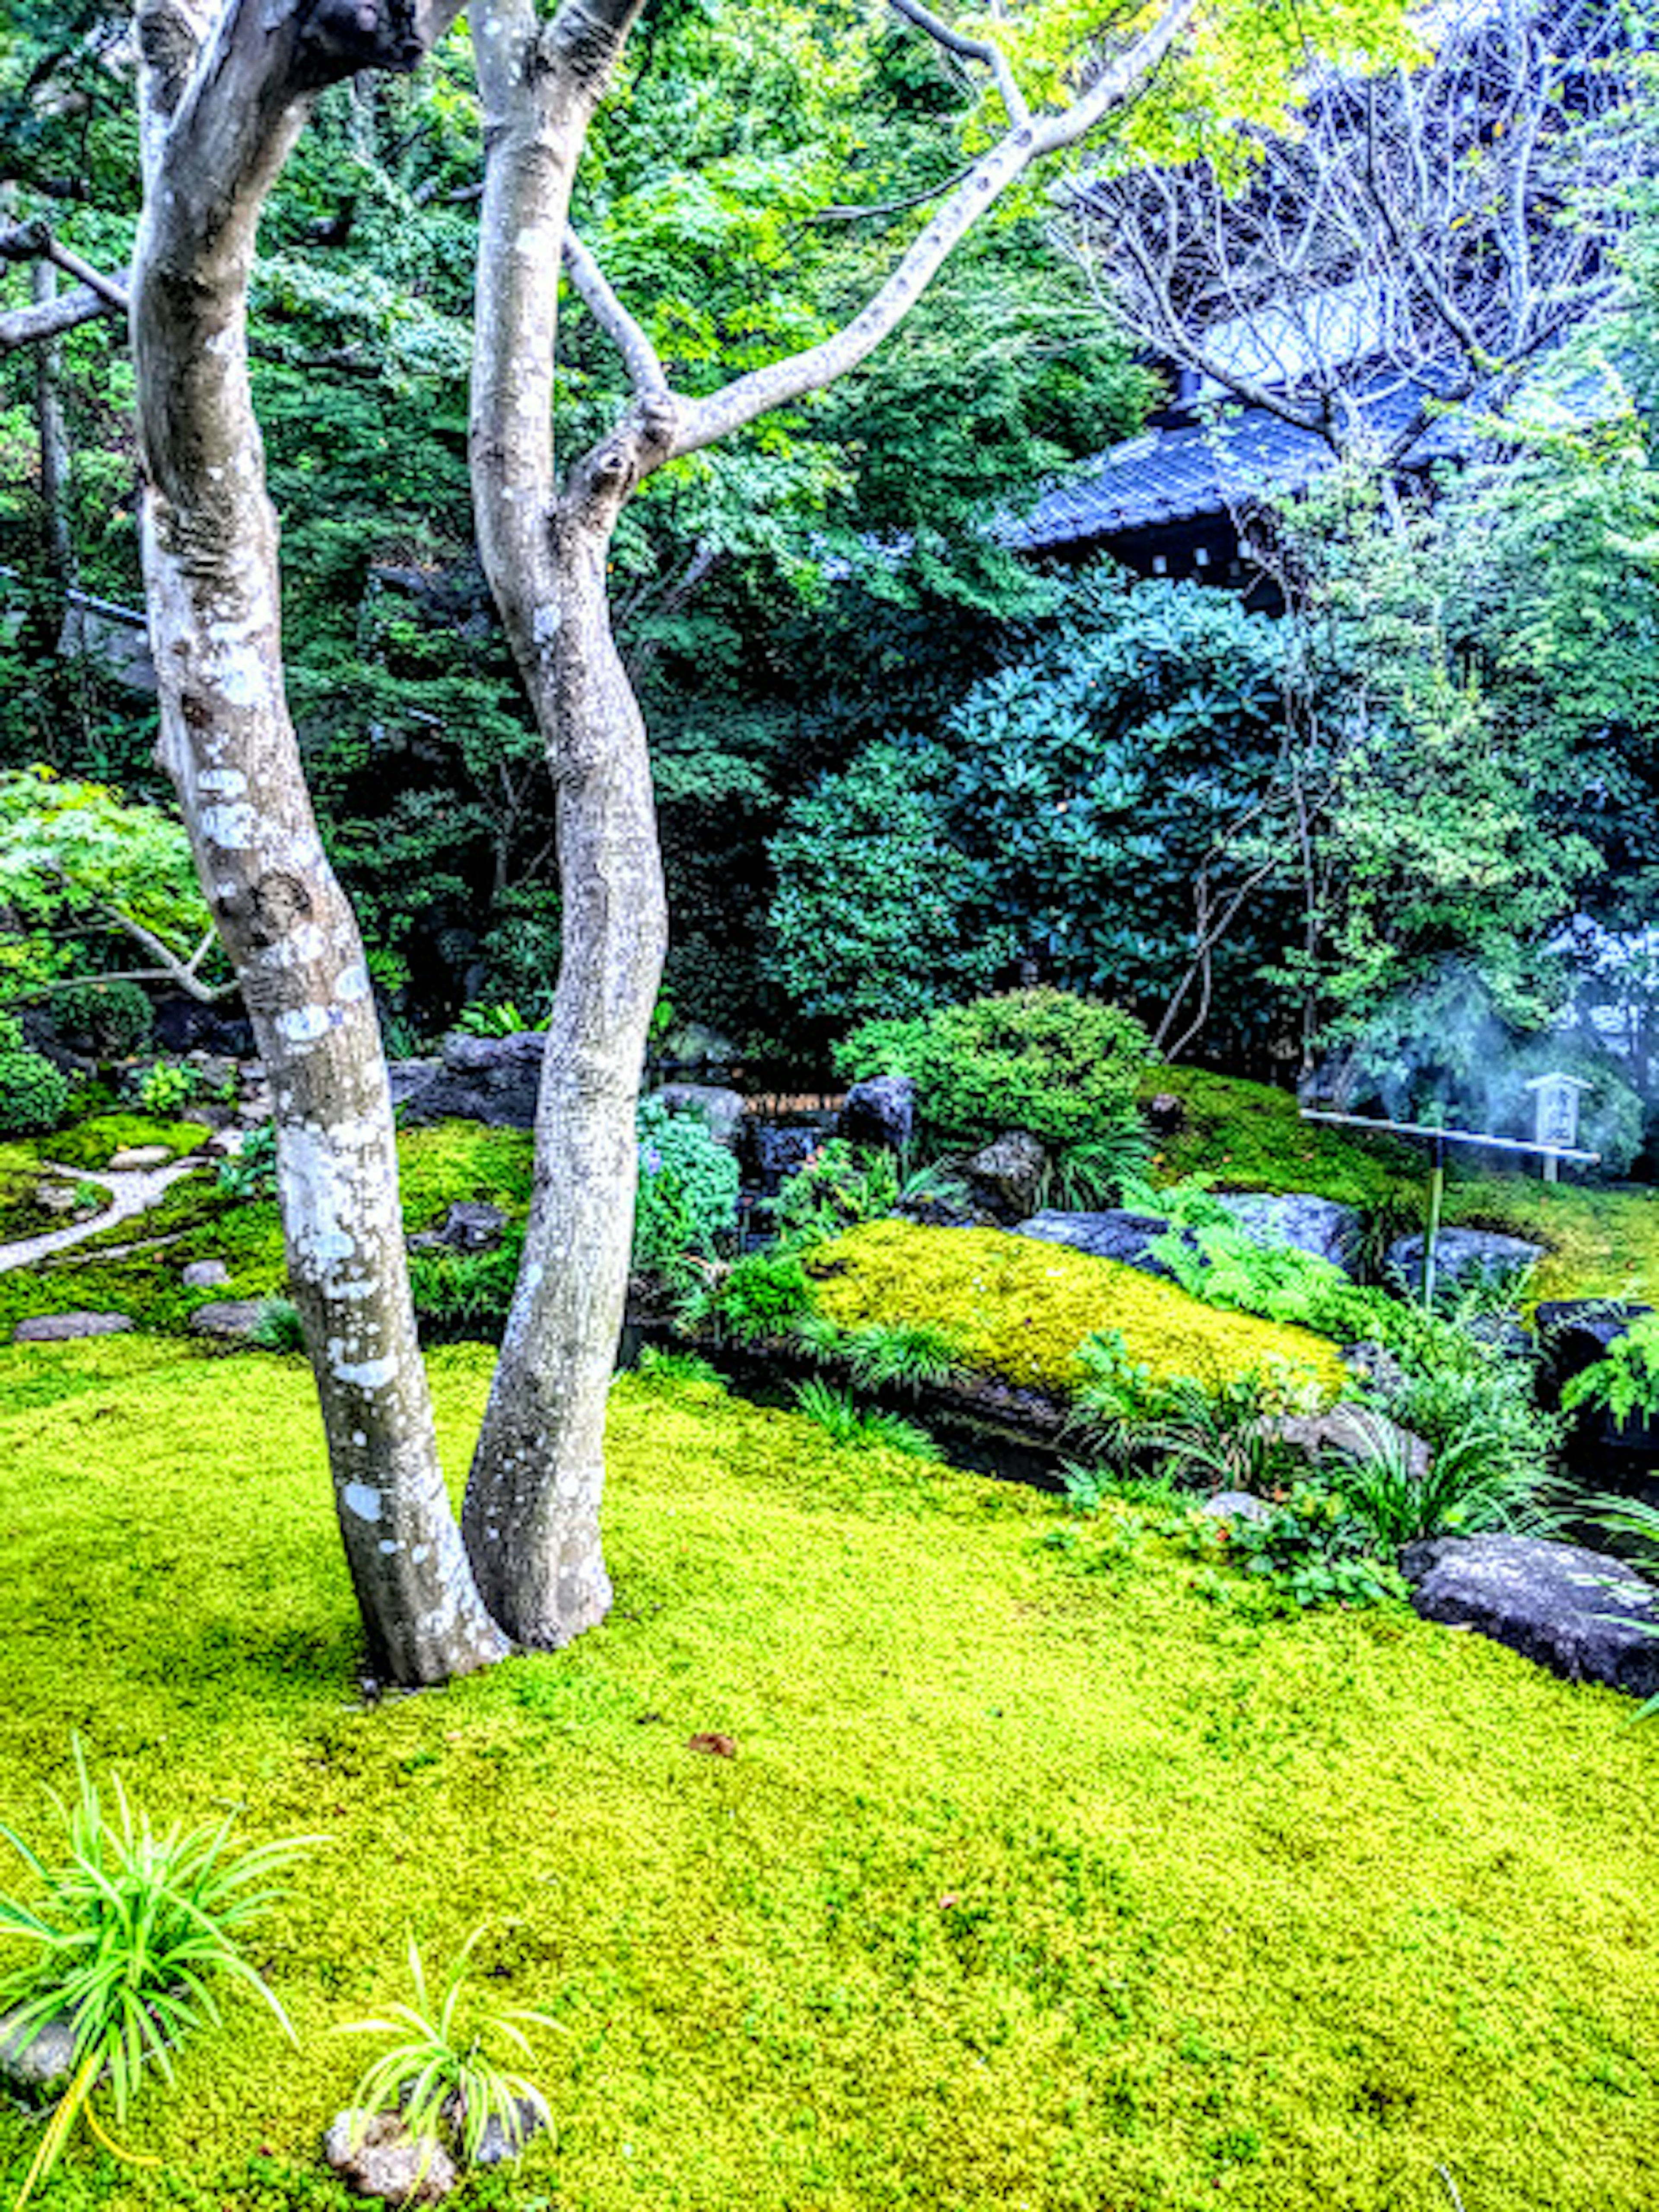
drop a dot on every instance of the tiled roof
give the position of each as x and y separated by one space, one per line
1202 468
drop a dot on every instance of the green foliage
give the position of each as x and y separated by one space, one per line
1313 1548
93 1143
278 1327
758 1296
115 1019
842 1184
449 2070
1625 1381
501 1019
128 1930
34 1095
1636 1517
1469 1484
845 1422
252 1171
1097 1172
671 1371
1222 1432
466 1294
168 1085
1064 1068
688 1191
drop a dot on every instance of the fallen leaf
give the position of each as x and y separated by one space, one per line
714 1747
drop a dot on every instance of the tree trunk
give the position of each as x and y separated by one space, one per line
216 137
532 1517
54 441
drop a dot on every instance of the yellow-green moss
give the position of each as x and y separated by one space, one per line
95 1144
455 1160
1021 1308
1026 1886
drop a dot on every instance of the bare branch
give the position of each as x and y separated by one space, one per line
640 358
38 325
973 50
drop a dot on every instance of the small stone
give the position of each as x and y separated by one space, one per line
57 1197
63 1328
40 2060
473 1225
226 1144
1236 1505
713 1745
227 1317
1167 1114
375 2155
1359 1431
1010 1172
137 1159
204 1275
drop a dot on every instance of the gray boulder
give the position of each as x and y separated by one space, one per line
230 1318
880 1111
1359 1431
409 1078
374 2155
1295 1218
204 1275
1464 1255
472 1225
1008 1172
721 1108
1579 1612
138 1159
490 1079
1236 1505
63 1328
42 2060
1114 1235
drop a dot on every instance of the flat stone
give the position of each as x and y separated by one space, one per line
41 2060
227 1317
137 1159
1236 1505
204 1275
1114 1234
63 1328
57 1197
1581 1613
721 1108
1297 1218
1464 1255
374 2155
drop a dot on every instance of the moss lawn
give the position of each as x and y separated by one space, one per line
1054 1872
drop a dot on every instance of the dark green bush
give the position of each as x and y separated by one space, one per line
1065 1068
34 1095
114 1018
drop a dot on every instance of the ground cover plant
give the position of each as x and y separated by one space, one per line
1006 1872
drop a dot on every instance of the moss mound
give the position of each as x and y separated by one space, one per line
1069 1879
1021 1308
95 1144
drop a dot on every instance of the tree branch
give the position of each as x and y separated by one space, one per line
973 50
640 358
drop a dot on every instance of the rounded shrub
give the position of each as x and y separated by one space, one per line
34 1095
688 1192
1064 1067
114 1018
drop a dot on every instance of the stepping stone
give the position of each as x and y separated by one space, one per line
63 1328
226 1317
1579 1612
138 1158
204 1275
44 2059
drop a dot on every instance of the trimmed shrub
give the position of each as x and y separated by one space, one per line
115 1019
34 1095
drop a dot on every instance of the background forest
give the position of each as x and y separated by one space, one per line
1419 805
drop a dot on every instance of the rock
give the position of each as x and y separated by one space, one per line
472 1225
1113 1235
498 2144
1375 1363
779 1149
409 1078
63 1328
880 1111
1579 1612
1464 1255
57 1197
490 1079
1359 1431
375 2155
1236 1505
204 1275
1295 1218
1009 1171
721 1108
1575 1332
41 2060
1166 1113
137 1159
226 1144
227 1317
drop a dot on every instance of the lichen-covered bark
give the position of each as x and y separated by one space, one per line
220 116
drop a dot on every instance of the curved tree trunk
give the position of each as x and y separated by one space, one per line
532 1517
218 126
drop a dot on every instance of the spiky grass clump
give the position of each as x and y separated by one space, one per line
128 1929
845 1422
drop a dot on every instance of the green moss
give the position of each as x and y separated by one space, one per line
455 1160
1021 1308
1599 1243
95 1144
1026 1885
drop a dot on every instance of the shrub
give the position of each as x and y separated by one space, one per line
758 1296
252 1172
840 1186
34 1096
1314 1548
277 1327
168 1085
115 1019
1064 1068
688 1190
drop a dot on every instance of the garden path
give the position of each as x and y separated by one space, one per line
132 1191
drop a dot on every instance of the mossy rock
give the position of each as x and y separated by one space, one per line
1021 1309
95 1143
